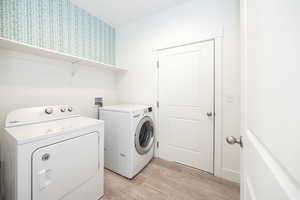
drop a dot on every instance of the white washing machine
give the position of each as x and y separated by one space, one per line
129 138
52 153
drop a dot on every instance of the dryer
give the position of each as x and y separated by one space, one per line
129 138
52 153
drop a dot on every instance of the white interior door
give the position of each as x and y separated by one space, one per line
270 100
186 105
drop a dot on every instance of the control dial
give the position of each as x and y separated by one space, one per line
70 109
63 109
49 111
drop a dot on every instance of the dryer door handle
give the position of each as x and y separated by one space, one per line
44 177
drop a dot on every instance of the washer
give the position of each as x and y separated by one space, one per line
52 153
129 138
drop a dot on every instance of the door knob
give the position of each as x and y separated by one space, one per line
209 114
233 140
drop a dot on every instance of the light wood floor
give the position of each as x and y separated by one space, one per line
162 180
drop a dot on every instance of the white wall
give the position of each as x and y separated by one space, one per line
191 21
27 80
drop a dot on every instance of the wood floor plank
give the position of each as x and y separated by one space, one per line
163 180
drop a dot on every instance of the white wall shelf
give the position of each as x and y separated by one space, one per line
18 46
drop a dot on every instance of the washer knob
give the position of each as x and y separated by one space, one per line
63 110
49 111
70 109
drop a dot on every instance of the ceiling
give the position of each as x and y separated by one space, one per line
117 12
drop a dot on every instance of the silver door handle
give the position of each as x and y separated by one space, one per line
209 114
44 178
233 140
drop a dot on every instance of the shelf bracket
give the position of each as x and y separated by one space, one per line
75 67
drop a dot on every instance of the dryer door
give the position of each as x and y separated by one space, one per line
61 168
144 136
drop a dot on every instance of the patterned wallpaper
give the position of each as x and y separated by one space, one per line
58 25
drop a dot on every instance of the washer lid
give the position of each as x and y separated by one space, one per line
39 131
31 124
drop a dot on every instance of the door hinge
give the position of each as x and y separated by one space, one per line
157 64
157 144
157 104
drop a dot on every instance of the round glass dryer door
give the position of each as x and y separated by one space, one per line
144 135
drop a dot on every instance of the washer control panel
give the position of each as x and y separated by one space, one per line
50 110
39 114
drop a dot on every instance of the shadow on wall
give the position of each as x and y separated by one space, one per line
28 80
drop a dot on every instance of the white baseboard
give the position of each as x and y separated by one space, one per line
231 175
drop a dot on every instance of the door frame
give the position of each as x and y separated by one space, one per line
218 93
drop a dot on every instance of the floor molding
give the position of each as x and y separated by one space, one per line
231 175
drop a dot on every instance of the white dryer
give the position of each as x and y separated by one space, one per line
129 138
52 153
